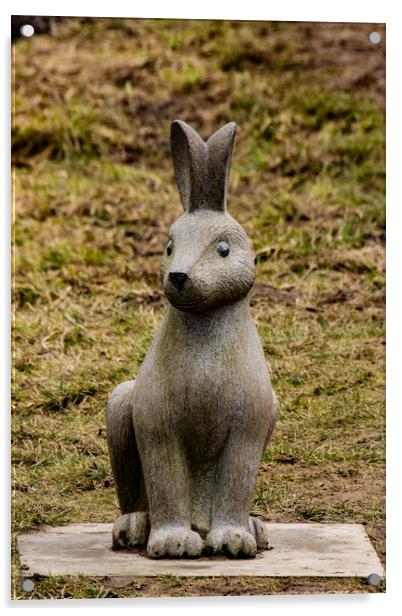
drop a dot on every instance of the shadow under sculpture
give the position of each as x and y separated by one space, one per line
186 437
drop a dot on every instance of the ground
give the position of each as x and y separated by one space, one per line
94 196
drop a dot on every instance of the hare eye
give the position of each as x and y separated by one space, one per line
223 249
169 247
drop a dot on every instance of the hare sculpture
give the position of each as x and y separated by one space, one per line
186 437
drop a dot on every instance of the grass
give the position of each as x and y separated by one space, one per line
94 197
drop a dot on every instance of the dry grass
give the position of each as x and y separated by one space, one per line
94 197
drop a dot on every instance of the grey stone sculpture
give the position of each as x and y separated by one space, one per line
187 435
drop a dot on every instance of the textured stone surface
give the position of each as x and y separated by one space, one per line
298 550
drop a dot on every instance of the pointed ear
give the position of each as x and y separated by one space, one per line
189 162
219 156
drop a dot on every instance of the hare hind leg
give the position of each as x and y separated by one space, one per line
132 527
257 527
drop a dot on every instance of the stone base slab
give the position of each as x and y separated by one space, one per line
297 550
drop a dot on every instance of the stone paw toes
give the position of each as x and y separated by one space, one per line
174 543
130 530
231 540
260 532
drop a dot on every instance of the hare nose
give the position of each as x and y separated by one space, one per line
178 279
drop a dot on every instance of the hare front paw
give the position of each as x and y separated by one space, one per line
260 532
174 542
130 530
232 540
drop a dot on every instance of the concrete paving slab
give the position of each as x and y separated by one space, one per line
298 550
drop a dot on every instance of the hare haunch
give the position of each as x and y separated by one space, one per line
187 436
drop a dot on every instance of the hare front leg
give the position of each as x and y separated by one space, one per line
235 485
167 482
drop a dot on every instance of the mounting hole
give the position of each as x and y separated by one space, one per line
374 37
27 30
373 579
27 585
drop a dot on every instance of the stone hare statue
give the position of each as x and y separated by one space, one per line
187 435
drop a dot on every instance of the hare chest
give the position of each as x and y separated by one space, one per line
198 393
208 396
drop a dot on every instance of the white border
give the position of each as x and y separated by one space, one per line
295 10
286 10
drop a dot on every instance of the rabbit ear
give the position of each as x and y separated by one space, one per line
219 156
189 162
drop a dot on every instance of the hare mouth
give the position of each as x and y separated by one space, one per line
180 299
194 305
185 306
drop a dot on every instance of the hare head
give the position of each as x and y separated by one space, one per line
207 261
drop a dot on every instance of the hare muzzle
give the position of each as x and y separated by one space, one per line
178 279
